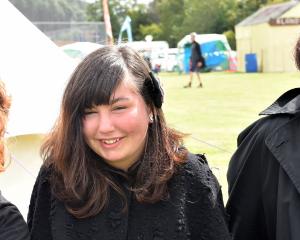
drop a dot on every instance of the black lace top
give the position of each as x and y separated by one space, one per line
193 211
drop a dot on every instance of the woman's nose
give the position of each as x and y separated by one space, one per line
105 123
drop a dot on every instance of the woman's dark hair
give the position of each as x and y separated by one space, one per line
79 181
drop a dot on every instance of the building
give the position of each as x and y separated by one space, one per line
270 33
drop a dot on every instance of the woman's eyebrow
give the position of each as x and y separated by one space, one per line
119 99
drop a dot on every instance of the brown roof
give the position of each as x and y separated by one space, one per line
267 13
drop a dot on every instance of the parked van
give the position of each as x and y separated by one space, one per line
156 51
174 60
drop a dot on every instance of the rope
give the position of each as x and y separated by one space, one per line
211 145
23 167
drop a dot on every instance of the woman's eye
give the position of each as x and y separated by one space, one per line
89 112
118 108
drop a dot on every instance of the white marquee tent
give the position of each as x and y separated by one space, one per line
35 72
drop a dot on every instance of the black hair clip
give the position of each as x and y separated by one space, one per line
156 91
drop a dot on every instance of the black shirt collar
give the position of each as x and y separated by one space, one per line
129 175
288 103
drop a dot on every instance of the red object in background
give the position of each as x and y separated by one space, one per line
157 68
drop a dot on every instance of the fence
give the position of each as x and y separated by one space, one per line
66 32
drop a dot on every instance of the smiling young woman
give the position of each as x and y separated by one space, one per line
113 168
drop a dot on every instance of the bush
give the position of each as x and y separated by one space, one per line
230 35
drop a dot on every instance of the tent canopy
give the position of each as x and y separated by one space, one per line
79 50
215 49
34 70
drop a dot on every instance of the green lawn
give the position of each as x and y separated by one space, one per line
215 114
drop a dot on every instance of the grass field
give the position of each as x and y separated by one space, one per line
214 115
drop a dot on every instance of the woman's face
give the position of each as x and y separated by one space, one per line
117 132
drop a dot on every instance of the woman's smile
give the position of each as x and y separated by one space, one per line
110 143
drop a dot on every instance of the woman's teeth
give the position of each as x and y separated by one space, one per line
111 141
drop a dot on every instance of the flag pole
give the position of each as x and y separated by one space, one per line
109 36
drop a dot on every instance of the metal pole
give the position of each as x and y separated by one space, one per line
109 36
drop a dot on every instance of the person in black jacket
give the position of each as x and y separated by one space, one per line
196 61
12 224
264 173
114 170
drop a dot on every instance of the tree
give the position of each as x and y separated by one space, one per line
152 29
171 17
212 16
141 18
143 23
180 17
245 8
170 20
118 11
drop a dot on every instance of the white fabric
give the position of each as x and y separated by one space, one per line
34 70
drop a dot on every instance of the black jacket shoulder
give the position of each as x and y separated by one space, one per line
252 140
204 198
12 224
199 174
40 199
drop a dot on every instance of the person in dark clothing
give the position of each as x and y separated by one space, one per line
264 173
114 170
12 224
196 61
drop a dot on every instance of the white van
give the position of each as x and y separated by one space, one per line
175 60
157 51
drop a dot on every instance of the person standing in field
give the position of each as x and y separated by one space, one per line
196 61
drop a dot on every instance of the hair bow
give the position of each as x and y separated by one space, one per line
156 91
